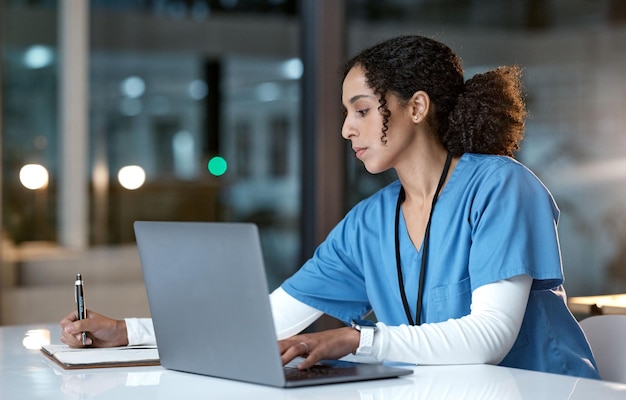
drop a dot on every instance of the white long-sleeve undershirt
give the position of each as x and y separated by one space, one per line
484 336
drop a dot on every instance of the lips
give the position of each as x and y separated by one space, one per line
358 151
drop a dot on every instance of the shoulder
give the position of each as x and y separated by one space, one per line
489 163
486 169
504 180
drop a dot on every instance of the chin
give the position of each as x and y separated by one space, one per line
374 169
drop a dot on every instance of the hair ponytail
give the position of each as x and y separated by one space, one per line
489 114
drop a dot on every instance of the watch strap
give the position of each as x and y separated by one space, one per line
366 342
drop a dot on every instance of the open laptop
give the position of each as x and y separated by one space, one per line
208 296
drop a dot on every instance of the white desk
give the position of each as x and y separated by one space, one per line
27 374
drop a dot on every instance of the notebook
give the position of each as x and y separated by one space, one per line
108 357
208 297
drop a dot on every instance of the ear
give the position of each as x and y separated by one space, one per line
419 106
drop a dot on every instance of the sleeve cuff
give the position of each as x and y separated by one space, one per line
140 331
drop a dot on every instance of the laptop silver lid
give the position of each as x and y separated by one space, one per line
208 297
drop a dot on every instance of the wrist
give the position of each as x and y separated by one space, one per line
122 332
367 330
355 339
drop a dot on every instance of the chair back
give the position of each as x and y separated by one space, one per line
607 337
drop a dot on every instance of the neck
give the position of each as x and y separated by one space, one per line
421 179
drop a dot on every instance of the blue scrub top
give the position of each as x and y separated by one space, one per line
494 220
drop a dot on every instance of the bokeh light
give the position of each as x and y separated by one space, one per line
218 166
293 68
38 56
131 177
198 89
133 87
35 338
34 176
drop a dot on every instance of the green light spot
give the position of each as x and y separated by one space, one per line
217 166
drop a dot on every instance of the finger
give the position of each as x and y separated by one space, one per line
292 352
288 355
75 327
309 361
305 347
69 318
282 346
76 340
286 344
88 341
71 340
73 332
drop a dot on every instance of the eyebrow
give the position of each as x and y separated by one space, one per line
354 99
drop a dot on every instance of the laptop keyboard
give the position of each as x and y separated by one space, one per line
319 370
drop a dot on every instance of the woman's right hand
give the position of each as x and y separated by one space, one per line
101 331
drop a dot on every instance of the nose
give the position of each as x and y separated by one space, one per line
347 131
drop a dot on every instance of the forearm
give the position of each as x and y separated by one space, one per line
290 317
486 335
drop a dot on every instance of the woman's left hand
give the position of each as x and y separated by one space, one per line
330 344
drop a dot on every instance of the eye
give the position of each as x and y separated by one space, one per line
363 111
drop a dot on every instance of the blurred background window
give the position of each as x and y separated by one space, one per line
195 113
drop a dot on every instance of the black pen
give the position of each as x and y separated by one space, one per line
79 296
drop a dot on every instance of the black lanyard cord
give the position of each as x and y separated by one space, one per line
420 290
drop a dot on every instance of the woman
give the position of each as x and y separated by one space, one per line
459 258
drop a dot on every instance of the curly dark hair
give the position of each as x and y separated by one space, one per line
486 114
